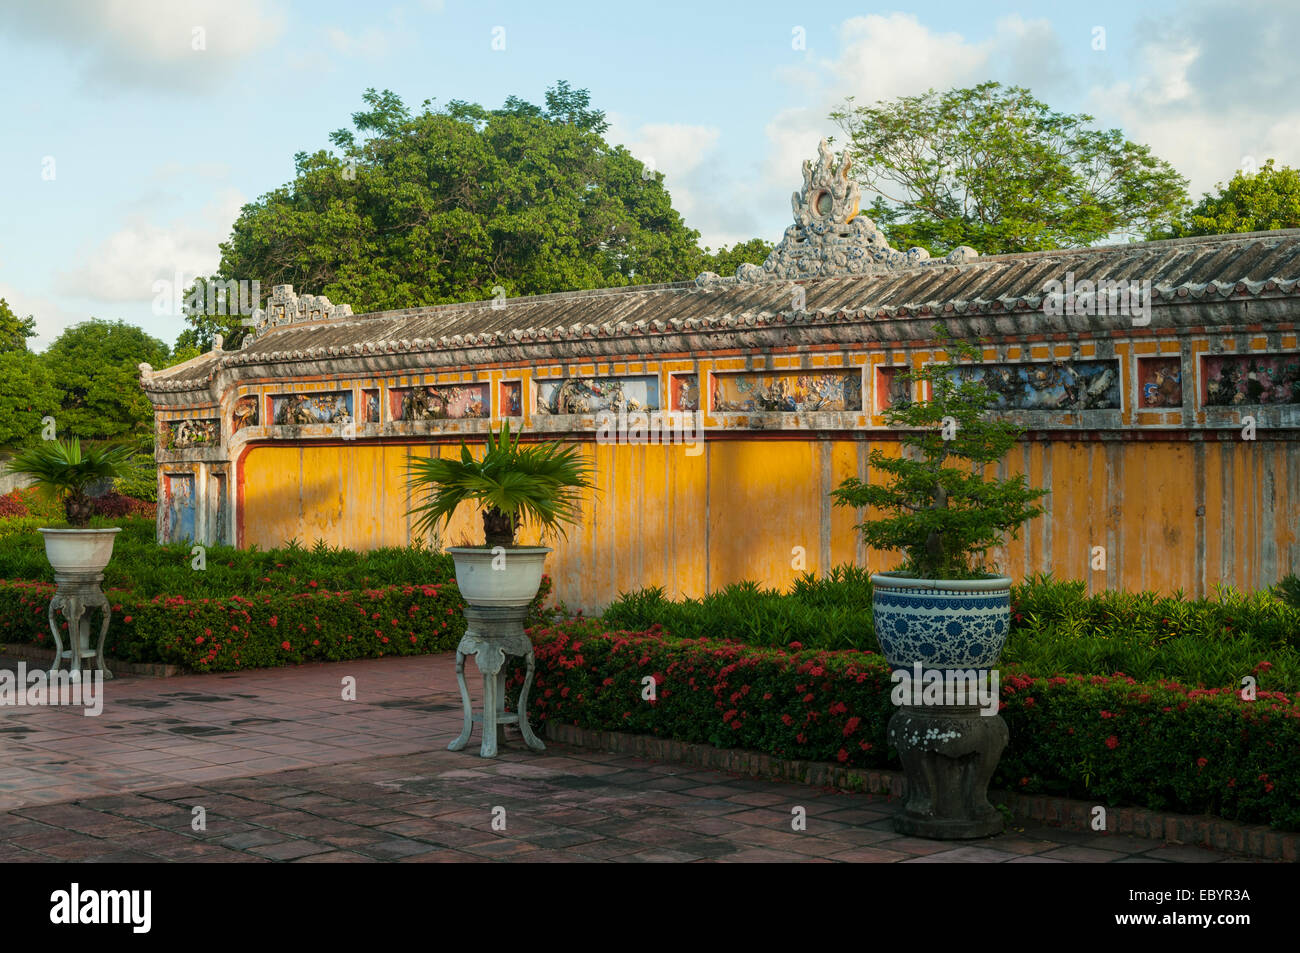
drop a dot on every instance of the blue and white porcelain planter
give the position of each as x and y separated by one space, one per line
941 623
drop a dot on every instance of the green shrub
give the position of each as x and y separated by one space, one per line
246 606
1110 739
1056 627
834 612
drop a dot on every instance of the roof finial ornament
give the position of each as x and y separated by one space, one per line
829 237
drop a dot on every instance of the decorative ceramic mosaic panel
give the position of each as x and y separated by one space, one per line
300 409
441 402
774 391
1057 385
370 407
511 397
1230 380
891 389
178 507
1160 382
589 395
245 413
684 392
189 434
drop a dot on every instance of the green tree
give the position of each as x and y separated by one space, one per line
447 205
726 260
942 518
26 395
994 168
94 367
1251 202
14 331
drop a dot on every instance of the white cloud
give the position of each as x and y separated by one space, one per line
884 57
158 44
702 186
124 266
51 317
1203 106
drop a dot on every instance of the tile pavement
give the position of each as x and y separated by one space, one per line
287 770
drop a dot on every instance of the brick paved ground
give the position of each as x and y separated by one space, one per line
285 769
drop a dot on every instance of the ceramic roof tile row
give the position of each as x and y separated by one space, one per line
1186 269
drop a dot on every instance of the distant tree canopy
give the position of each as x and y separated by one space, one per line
449 204
994 168
93 368
1251 202
14 331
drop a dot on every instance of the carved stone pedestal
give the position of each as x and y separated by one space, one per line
949 754
492 634
77 594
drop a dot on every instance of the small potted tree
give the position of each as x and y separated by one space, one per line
62 470
539 484
944 611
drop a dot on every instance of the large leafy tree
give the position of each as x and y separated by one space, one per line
994 168
26 393
451 204
1251 202
14 331
94 367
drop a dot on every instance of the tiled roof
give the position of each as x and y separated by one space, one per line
1213 268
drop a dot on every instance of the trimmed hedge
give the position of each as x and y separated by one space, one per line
222 635
1055 626
1161 746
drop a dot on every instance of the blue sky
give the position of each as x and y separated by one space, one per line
154 145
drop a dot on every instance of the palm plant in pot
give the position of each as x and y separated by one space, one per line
944 612
64 471
515 484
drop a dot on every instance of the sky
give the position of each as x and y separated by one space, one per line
134 130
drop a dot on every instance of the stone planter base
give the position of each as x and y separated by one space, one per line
949 755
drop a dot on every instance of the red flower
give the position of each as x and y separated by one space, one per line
127 619
787 720
312 583
274 621
285 646
1202 762
1112 742
851 725
1106 714
198 640
1029 702
841 756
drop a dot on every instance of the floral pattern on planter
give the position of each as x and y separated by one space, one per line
941 628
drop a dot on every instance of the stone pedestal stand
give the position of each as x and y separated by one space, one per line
491 635
948 754
78 593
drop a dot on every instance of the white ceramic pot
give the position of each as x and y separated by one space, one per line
941 623
79 550
499 576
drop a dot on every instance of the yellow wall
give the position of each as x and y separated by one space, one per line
738 510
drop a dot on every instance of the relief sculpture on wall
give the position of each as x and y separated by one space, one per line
442 402
1232 379
589 395
791 393
245 413
1058 385
189 434
301 409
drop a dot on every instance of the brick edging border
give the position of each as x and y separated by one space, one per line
31 653
1216 833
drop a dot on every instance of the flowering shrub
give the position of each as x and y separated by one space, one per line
274 628
1108 738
